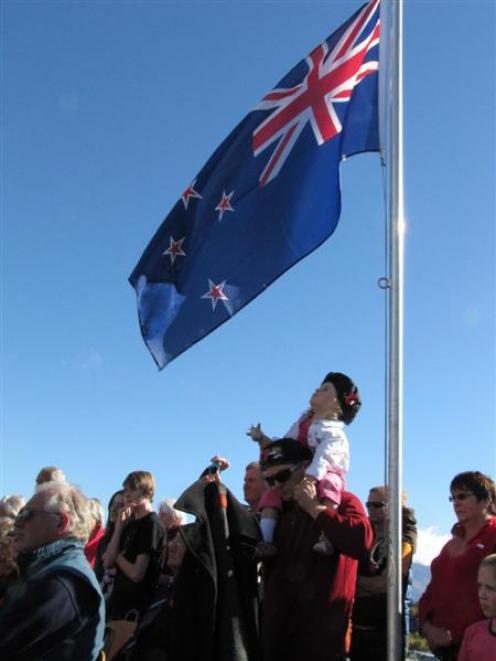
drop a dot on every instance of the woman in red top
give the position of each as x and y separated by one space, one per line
450 603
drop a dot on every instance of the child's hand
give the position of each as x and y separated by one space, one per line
256 433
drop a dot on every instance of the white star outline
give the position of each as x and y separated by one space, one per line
175 248
224 204
189 193
216 293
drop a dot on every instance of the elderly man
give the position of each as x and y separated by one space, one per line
308 597
55 610
253 486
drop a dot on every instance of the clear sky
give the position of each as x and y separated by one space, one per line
109 109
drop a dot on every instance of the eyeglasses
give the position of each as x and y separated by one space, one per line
26 514
281 476
460 496
379 504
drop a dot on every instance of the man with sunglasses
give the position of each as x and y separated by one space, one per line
369 639
307 596
55 610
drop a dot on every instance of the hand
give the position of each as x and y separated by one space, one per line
436 636
123 515
305 494
256 433
222 462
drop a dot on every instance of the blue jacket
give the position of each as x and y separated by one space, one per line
55 610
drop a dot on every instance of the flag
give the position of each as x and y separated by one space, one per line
266 198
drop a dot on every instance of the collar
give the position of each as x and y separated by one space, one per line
46 552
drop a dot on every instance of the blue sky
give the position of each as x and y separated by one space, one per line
109 110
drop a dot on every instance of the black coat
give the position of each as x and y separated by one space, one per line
214 613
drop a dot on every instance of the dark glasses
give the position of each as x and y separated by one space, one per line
378 504
281 476
460 496
26 514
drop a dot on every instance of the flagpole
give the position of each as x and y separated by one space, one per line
395 348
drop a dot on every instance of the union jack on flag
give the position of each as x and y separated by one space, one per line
267 197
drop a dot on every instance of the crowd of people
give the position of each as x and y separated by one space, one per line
145 585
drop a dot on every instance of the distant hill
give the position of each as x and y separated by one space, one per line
421 575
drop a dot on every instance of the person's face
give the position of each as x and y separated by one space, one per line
117 504
466 506
324 401
376 507
294 475
133 496
34 527
486 581
167 519
253 486
177 550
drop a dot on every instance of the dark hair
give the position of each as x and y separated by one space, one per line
347 395
481 485
109 528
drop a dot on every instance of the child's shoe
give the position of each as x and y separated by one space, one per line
323 546
265 550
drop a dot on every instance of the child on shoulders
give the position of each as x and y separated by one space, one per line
333 404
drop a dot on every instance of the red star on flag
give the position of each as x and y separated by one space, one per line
175 249
189 193
224 204
215 293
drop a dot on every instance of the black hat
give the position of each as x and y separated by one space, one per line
348 395
284 451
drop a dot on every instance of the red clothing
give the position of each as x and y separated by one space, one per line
91 546
479 643
308 597
450 600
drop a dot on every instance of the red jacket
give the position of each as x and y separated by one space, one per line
308 597
92 545
450 600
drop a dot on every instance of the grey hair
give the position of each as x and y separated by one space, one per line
11 505
50 474
68 499
167 506
253 465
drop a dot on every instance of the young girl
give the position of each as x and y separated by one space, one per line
333 404
479 640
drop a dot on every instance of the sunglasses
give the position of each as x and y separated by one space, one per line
379 504
460 496
281 476
26 514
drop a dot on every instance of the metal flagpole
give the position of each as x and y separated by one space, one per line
395 343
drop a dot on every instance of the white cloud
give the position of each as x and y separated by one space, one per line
429 544
87 361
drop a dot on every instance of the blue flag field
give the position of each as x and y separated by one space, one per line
267 197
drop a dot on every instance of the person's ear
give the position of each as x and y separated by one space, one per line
64 521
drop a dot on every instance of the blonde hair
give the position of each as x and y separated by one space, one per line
11 505
65 498
96 510
489 561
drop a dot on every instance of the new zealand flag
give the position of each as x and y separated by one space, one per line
267 197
